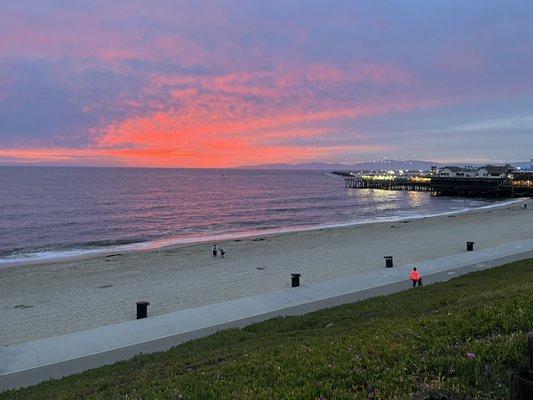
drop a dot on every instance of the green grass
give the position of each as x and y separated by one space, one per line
383 348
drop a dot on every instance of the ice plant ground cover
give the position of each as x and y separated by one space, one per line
460 337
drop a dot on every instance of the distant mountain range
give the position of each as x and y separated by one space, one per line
522 164
371 166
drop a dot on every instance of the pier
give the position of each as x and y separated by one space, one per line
518 186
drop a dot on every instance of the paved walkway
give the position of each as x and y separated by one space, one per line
33 362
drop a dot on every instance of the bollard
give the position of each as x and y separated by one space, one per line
295 281
470 246
388 261
521 385
142 309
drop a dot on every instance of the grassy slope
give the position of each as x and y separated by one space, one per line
382 348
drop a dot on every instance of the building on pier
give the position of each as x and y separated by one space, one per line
487 171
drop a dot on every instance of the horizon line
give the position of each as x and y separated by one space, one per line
258 166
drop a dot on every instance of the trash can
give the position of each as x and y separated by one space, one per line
388 261
470 246
295 280
142 309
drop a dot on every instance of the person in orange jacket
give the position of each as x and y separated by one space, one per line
415 277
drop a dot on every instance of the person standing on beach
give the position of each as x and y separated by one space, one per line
415 277
222 252
215 251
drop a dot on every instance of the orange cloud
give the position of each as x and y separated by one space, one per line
235 118
254 105
199 129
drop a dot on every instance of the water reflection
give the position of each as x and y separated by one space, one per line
416 199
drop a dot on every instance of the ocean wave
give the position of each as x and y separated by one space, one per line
69 248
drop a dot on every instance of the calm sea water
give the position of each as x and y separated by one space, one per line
60 212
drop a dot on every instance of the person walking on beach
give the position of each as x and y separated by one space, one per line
415 277
215 251
222 253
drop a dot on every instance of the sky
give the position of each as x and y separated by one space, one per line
170 83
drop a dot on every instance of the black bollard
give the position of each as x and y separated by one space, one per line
388 261
470 246
142 309
295 281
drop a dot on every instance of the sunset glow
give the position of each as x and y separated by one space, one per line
221 84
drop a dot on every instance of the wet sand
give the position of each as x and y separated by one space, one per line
52 298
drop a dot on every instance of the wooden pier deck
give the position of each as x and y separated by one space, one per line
388 184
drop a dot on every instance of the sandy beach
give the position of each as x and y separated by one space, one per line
53 298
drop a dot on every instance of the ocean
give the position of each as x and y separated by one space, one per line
54 212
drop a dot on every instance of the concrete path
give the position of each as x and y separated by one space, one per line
33 362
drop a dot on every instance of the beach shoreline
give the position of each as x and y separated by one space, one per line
50 298
154 245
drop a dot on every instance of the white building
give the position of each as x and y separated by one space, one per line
488 171
457 172
493 171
